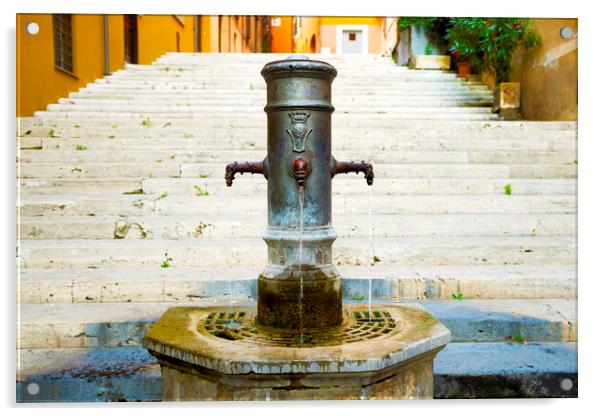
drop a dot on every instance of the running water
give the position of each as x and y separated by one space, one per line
230 312
371 252
300 196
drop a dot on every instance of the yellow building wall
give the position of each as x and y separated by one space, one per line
310 27
210 33
547 73
158 34
38 81
116 45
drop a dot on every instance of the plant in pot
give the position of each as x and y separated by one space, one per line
464 35
501 37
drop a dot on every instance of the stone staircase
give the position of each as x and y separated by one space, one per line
124 212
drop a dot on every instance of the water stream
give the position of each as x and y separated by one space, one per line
301 198
371 253
230 311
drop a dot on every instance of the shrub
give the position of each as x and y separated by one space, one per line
489 43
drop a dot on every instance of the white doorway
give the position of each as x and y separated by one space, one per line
352 39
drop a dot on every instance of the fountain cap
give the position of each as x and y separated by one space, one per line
298 65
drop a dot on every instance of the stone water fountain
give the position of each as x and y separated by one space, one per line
300 342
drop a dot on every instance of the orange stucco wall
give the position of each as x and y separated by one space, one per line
40 83
151 45
282 36
116 46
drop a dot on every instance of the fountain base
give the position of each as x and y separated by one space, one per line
221 354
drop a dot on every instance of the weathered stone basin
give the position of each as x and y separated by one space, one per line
207 357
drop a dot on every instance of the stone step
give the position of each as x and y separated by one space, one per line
85 186
252 225
168 138
243 80
77 153
353 185
103 170
170 132
340 121
388 283
87 375
247 186
436 109
351 79
532 370
76 203
159 169
257 106
344 70
436 114
461 370
124 324
258 97
407 251
258 86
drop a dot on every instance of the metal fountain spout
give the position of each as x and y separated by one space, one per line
299 157
246 167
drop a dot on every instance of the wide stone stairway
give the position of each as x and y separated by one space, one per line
124 212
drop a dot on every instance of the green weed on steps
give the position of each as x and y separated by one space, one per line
508 189
519 338
457 296
200 191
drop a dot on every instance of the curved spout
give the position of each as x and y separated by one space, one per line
357 167
250 167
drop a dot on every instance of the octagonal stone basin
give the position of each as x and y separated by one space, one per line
218 353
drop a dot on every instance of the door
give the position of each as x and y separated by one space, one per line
130 31
352 41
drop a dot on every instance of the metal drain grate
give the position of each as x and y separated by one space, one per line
240 326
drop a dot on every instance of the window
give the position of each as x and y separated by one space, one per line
63 41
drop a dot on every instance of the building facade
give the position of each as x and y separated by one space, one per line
311 34
60 53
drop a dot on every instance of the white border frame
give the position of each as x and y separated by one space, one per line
366 33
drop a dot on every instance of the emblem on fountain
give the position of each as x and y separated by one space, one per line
292 340
299 131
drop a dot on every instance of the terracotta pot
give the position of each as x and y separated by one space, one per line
463 68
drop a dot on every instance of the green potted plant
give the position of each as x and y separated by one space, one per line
464 35
500 39
488 44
